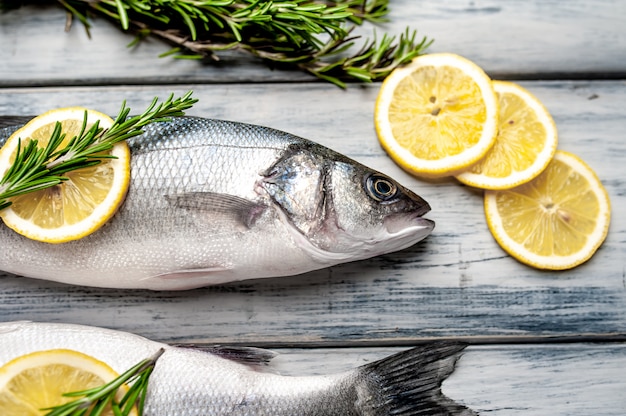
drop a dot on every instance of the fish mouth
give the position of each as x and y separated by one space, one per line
411 227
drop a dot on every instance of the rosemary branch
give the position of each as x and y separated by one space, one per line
37 168
93 402
311 35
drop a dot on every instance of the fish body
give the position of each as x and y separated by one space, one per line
188 382
214 201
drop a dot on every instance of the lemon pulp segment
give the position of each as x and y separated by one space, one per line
38 380
436 115
445 114
556 221
81 204
525 144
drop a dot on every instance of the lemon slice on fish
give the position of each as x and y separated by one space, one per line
438 115
37 381
78 206
556 221
526 142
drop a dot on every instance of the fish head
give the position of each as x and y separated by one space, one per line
340 210
373 214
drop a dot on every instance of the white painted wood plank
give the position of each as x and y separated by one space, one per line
537 380
542 380
523 38
513 38
73 58
457 283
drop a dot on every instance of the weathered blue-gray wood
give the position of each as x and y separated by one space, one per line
580 379
535 380
513 38
456 283
542 380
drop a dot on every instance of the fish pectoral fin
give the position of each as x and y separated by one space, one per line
190 273
194 278
241 209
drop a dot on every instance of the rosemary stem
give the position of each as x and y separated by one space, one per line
37 168
293 33
94 401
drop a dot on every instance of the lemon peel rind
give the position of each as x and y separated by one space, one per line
57 356
54 356
83 228
447 166
594 240
545 156
72 113
102 213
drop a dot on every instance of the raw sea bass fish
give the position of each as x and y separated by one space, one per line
215 201
232 381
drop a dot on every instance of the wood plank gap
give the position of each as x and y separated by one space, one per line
471 340
157 81
175 80
558 76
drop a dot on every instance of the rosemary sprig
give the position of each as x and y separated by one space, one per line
93 402
37 168
311 35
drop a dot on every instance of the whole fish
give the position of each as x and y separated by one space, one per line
215 201
231 381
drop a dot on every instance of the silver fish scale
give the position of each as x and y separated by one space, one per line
189 382
185 382
214 201
183 132
150 236
229 388
189 154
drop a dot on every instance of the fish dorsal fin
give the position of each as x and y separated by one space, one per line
9 125
11 121
242 209
244 355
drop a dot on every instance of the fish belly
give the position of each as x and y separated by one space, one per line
185 382
225 230
188 381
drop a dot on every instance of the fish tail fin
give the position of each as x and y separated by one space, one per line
409 383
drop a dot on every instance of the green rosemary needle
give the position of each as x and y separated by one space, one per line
93 402
37 168
313 36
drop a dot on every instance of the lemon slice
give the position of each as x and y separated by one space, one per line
437 115
80 205
38 380
526 142
556 221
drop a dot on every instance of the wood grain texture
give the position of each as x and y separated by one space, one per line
456 283
537 380
510 39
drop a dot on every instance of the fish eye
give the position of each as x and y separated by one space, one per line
380 188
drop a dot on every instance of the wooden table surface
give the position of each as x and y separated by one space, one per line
543 342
